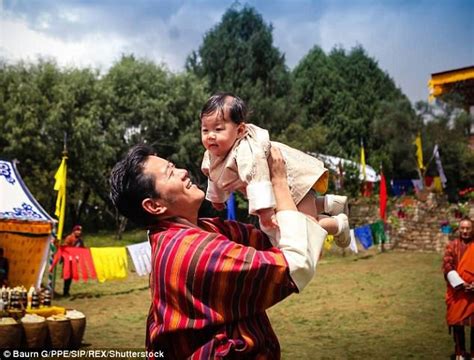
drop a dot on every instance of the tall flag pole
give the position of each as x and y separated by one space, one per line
60 187
60 212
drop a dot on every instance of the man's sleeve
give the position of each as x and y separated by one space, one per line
299 238
449 266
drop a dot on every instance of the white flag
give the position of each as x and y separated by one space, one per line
439 166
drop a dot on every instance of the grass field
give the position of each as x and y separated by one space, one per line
374 305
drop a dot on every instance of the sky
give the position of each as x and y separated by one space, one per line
410 39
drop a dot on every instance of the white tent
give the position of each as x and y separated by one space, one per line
332 162
25 229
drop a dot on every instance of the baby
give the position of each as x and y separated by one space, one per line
236 159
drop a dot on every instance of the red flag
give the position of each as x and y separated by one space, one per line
383 196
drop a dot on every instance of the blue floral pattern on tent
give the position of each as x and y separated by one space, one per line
6 171
25 211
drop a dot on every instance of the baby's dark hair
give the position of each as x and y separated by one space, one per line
217 102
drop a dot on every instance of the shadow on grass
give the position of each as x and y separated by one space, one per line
89 295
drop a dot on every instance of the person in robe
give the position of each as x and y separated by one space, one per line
458 269
212 280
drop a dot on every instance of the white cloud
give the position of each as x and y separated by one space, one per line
19 42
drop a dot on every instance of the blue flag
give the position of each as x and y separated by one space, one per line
231 207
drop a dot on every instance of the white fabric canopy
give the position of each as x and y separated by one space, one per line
16 201
332 162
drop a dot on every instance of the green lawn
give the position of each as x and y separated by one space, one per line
375 305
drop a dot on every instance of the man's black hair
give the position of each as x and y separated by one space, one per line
217 102
129 186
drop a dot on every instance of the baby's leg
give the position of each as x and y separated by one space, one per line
309 207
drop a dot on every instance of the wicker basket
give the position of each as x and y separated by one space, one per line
59 333
10 336
35 334
78 327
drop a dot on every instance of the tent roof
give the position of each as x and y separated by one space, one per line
332 162
16 201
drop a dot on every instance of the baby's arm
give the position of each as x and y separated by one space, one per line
253 169
267 218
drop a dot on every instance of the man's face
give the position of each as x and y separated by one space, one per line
78 232
176 190
465 230
219 133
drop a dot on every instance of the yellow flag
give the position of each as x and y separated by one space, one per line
60 187
328 242
419 152
362 159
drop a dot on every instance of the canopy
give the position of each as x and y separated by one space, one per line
25 229
332 162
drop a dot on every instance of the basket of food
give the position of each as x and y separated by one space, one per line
10 333
78 327
36 330
59 327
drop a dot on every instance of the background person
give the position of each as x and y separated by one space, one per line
211 279
74 239
458 269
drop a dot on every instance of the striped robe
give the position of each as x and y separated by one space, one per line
210 288
459 256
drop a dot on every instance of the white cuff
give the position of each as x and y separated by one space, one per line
214 194
454 279
260 195
300 239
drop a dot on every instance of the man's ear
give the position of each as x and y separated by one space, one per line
153 207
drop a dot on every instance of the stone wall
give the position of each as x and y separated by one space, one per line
413 224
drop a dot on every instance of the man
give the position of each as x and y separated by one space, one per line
212 280
74 239
458 268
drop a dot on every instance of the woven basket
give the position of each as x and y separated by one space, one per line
59 333
10 336
78 326
35 334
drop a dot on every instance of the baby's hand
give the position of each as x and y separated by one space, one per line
267 218
218 206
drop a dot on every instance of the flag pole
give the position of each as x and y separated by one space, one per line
60 212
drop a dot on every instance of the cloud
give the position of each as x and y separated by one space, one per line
96 50
410 40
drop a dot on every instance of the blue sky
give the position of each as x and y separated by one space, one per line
410 39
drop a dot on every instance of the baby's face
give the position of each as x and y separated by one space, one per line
218 134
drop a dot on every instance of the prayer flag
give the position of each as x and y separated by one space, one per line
383 196
439 166
231 207
419 151
362 159
60 187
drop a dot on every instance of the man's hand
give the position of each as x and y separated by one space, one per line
469 287
218 206
277 166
